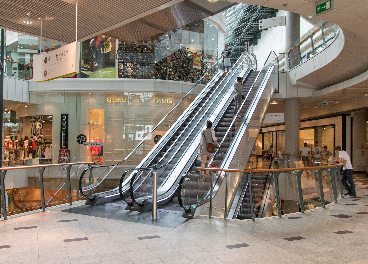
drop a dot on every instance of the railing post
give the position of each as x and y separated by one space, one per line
333 173
277 193
211 193
300 193
338 177
154 196
69 184
227 179
90 181
322 195
42 190
251 195
3 195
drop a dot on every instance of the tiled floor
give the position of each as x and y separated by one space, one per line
337 234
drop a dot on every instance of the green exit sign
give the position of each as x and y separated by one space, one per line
323 7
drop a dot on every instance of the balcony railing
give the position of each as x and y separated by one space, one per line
35 188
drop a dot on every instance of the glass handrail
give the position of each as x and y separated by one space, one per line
31 188
144 182
310 46
240 146
302 188
106 170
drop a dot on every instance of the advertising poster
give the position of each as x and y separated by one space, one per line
196 61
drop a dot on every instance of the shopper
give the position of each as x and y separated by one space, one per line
226 55
316 152
347 172
238 90
325 155
207 136
304 152
270 153
34 147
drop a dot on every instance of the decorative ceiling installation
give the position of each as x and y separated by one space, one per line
158 23
94 16
242 24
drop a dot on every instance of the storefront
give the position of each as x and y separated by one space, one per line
19 134
99 127
327 132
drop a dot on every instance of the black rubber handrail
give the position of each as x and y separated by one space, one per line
142 141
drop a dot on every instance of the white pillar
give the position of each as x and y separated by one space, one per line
359 155
292 125
292 33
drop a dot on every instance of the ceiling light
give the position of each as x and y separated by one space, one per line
27 21
273 102
25 106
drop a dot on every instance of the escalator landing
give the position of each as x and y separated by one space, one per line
169 216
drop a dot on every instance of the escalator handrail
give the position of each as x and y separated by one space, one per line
130 203
240 61
159 123
241 106
251 105
142 141
191 121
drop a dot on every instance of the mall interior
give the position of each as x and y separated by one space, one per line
87 176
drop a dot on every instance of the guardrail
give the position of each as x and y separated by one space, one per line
302 186
310 46
31 190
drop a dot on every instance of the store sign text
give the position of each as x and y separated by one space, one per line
137 99
64 131
165 101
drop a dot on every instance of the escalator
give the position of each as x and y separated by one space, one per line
181 155
235 150
258 202
172 155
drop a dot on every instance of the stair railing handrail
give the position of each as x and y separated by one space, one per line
240 108
142 141
239 62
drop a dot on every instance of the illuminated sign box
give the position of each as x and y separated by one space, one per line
57 63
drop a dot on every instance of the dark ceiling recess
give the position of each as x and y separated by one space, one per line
242 25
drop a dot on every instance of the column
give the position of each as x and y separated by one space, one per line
292 33
359 151
292 125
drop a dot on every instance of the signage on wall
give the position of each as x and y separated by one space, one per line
64 131
64 155
164 101
136 98
92 144
322 7
196 61
81 138
274 118
57 63
272 22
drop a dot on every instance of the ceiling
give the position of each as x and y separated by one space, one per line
96 17
352 17
145 18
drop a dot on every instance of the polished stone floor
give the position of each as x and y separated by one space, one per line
109 234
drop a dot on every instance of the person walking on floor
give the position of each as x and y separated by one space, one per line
304 152
207 136
270 153
347 172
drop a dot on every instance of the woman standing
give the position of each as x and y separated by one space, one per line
207 136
